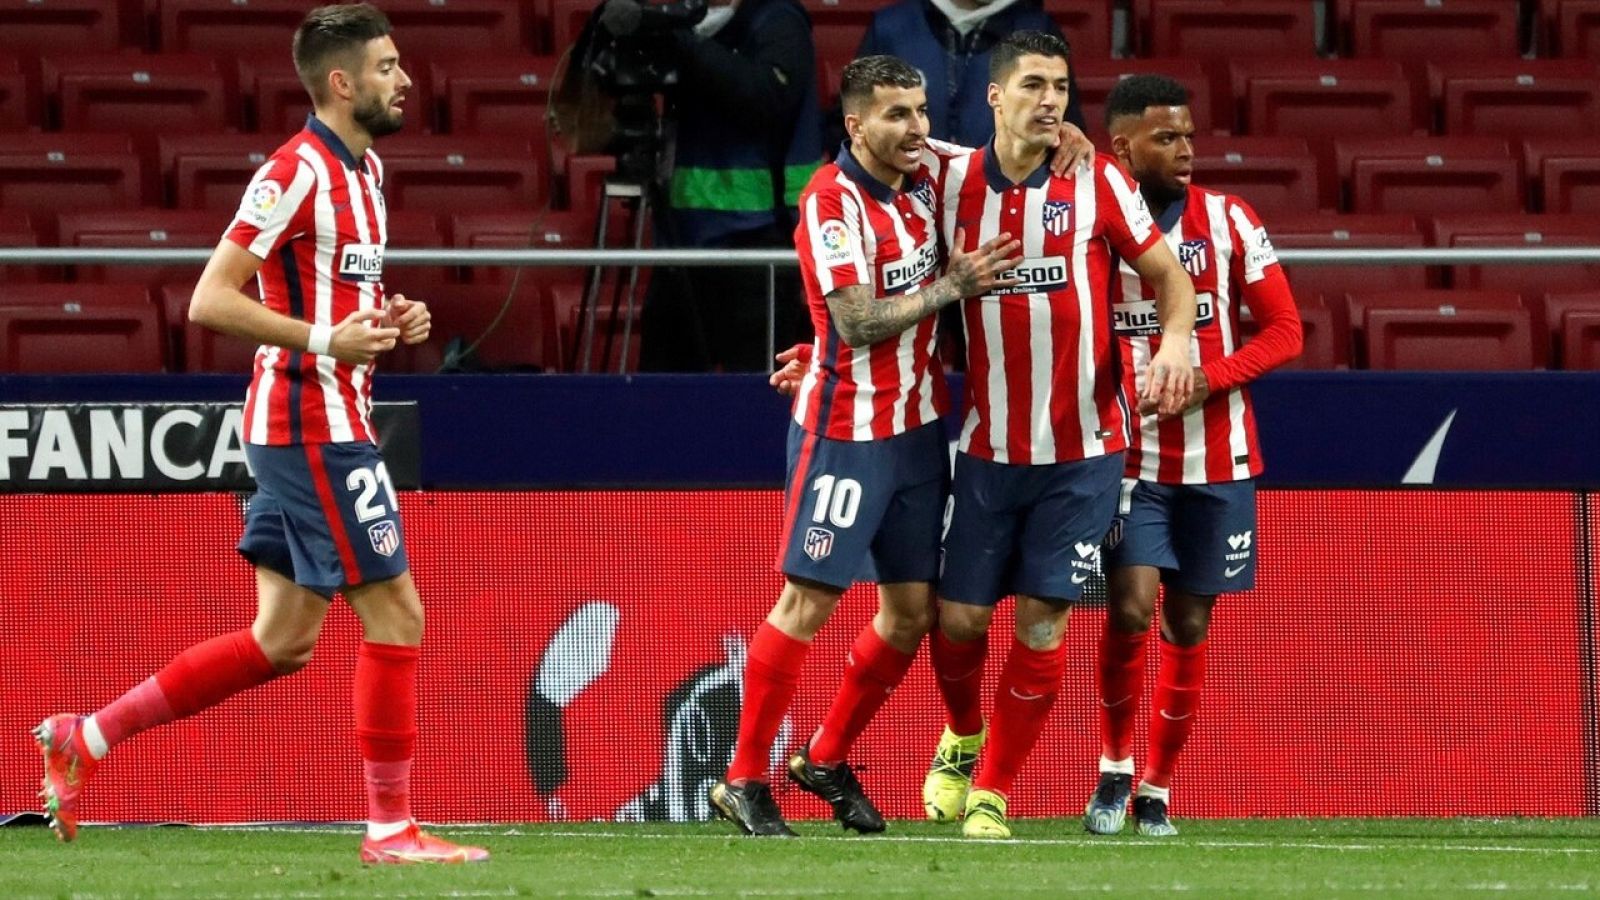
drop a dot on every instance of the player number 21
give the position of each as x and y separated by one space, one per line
838 500
367 481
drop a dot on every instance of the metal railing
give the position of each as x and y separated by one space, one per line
771 259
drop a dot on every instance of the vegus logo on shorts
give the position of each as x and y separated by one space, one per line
361 262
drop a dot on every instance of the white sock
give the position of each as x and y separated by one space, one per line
1119 766
1164 794
380 830
93 739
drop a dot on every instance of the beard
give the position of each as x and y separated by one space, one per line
376 118
1159 195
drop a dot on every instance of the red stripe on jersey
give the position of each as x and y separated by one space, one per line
1218 276
306 198
330 511
852 231
1069 229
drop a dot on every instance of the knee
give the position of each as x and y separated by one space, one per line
802 609
1186 624
962 622
906 626
1130 612
393 617
1042 635
287 653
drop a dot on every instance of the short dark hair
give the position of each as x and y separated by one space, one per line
862 75
1025 43
1133 95
328 34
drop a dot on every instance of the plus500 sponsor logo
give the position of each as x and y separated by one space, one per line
361 262
909 272
1038 275
1139 317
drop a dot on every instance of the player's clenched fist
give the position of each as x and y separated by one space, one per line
411 317
360 337
983 270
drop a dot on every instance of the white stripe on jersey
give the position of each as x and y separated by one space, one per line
327 238
1041 367
860 362
375 232
288 203
906 343
994 341
266 361
1087 212
1238 445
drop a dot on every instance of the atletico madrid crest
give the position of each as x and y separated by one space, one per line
1057 217
819 543
1194 257
385 538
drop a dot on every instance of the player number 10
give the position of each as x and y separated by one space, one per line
838 500
367 481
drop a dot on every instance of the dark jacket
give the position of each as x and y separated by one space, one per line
748 124
957 67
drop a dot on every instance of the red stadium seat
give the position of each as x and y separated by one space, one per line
1470 340
565 300
1428 176
19 97
228 26
414 230
836 45
196 348
500 96
429 28
1575 29
1519 98
1478 230
1086 25
1096 78
523 230
1321 100
586 176
48 173
1443 303
1230 29
466 311
61 329
16 230
1548 314
567 18
1273 174
447 173
210 171
1434 30
141 228
1571 184
30 26
1344 230
1580 339
142 94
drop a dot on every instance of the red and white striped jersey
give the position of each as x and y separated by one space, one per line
1042 381
315 216
854 229
1225 250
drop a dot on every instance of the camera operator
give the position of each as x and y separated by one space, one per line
747 128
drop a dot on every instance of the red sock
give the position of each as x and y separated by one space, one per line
1176 701
771 672
199 677
386 726
1121 672
872 671
958 671
1027 690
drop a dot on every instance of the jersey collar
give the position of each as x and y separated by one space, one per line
999 183
856 172
1169 217
332 142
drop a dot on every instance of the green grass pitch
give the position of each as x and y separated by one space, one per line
1323 858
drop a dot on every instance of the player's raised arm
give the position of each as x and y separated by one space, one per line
863 319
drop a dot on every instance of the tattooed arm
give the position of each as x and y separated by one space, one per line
863 320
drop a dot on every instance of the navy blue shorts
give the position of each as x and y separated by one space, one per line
851 503
1033 530
324 515
1201 536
